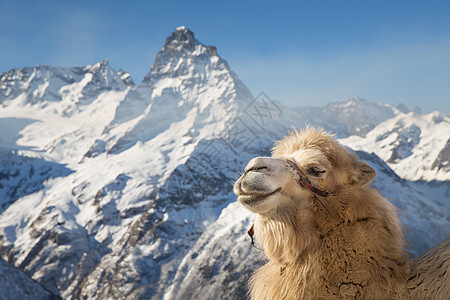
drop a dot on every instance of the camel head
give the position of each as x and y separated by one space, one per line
271 183
270 187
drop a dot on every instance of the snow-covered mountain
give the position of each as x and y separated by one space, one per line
415 146
110 190
43 84
14 284
355 116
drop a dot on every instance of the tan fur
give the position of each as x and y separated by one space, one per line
312 257
430 278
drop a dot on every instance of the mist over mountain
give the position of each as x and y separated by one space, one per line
115 190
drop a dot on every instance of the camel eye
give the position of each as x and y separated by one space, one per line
316 172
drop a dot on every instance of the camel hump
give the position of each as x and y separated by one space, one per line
430 277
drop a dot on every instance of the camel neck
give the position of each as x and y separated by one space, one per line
283 238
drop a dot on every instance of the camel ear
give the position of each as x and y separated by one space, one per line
365 173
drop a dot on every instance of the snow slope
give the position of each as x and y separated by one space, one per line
415 146
14 284
112 191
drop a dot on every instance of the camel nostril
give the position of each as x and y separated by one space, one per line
259 169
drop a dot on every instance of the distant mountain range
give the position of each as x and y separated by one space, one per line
111 190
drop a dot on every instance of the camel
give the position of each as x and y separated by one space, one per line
326 233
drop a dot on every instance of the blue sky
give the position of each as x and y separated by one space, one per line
299 52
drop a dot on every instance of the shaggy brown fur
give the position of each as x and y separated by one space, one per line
430 278
310 256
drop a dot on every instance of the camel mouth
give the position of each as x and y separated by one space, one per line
251 199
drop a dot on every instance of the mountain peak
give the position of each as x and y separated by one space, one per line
181 56
183 37
34 85
101 64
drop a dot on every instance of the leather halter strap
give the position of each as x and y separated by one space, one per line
321 194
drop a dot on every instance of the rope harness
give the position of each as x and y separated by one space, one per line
319 194
322 195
